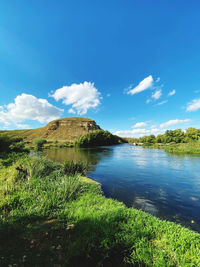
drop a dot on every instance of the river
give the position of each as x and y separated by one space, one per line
163 184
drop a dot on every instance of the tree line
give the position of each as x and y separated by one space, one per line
170 136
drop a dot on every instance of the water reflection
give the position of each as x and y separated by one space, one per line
163 184
145 205
89 156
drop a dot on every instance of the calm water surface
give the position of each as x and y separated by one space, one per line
163 184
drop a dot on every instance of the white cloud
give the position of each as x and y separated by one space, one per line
156 131
157 94
161 103
23 126
132 132
173 122
139 132
139 124
28 107
71 110
158 79
81 96
145 84
148 101
194 105
108 95
173 92
150 129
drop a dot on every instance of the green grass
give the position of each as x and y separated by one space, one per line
189 148
51 219
71 167
185 148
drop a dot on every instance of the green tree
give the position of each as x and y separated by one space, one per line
160 138
192 134
178 136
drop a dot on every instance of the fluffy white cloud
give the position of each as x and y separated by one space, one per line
173 122
194 105
28 107
147 83
157 94
173 92
81 96
139 124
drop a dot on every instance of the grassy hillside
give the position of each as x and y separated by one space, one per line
65 129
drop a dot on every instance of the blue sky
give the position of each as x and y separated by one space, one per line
132 66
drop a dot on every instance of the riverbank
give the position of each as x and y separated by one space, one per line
189 148
49 217
185 148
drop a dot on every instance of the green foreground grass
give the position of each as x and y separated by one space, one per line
49 218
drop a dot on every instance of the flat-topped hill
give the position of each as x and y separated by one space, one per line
65 129
68 128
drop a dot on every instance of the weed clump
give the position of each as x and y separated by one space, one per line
71 167
39 142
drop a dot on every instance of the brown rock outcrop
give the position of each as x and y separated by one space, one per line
69 128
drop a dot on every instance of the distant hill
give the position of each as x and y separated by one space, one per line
65 129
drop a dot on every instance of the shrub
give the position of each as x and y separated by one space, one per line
98 138
10 144
39 142
42 167
71 167
9 159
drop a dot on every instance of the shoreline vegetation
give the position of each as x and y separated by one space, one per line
173 141
56 216
84 132
90 139
52 215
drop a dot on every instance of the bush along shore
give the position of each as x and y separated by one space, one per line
53 216
174 141
98 138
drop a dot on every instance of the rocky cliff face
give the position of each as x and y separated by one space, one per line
68 128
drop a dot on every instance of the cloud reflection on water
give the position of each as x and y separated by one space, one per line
145 205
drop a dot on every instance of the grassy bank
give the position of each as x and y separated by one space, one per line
49 218
175 141
189 148
185 148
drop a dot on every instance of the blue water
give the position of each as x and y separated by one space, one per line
163 184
